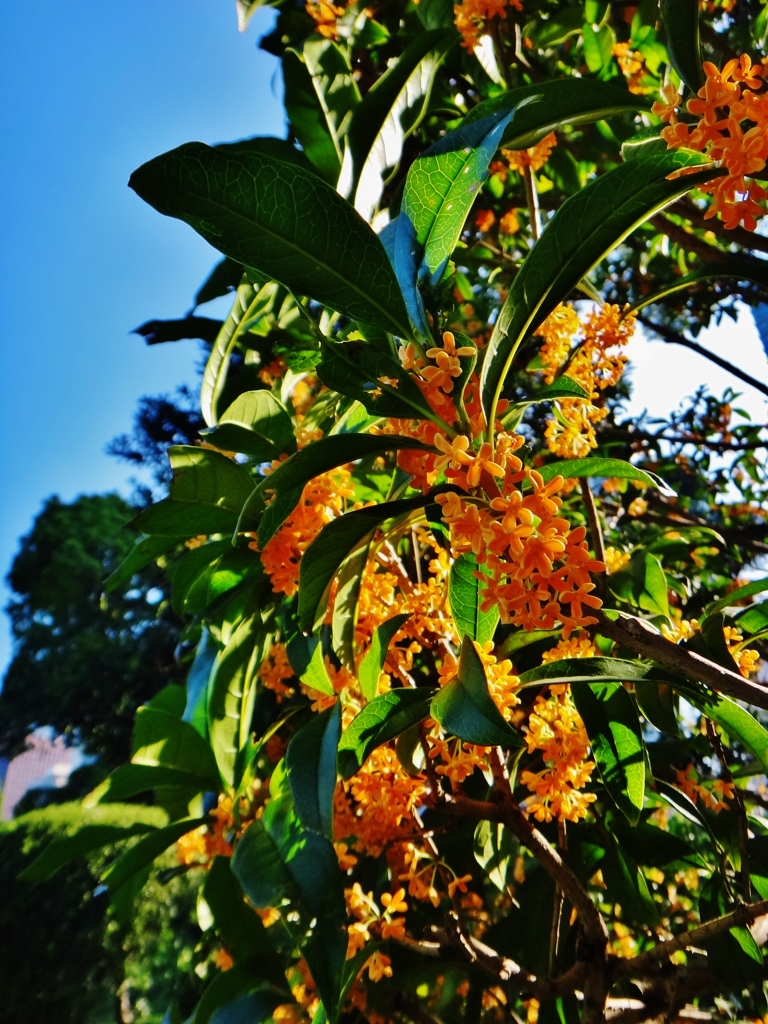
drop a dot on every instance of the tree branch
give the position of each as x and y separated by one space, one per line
674 337
639 637
647 962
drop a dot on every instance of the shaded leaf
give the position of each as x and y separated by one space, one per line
372 663
155 332
145 551
161 739
310 761
256 424
87 839
383 718
146 850
681 20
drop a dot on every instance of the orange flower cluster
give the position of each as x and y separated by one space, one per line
200 846
732 108
557 731
534 157
325 15
632 65
471 18
322 500
746 658
713 797
597 363
275 669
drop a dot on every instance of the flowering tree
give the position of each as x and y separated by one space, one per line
466 734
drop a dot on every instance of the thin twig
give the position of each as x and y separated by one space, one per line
639 637
532 199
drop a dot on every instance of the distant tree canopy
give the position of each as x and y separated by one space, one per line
83 663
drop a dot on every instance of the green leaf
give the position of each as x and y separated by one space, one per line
740 269
132 779
315 676
277 860
442 184
290 478
681 20
161 739
310 761
142 853
250 303
563 387
332 546
616 739
643 583
241 931
734 596
465 709
349 581
320 96
393 106
372 663
494 847
383 718
657 703
583 231
87 839
283 221
355 369
465 593
251 1008
231 695
207 495
598 48
738 723
256 424
224 278
626 885
145 551
591 669
603 468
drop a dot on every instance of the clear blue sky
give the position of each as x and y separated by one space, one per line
88 91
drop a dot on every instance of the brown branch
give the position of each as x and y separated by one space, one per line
633 436
639 637
688 240
646 962
731 236
674 337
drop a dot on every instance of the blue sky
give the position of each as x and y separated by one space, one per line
89 91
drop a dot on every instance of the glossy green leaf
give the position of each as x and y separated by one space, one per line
569 670
289 479
231 694
310 761
738 268
241 931
616 739
465 596
563 387
657 703
372 663
146 850
643 583
256 424
739 724
383 718
349 581
207 495
681 20
494 848
87 839
626 884
355 369
320 96
283 221
335 543
163 740
583 231
465 708
133 779
315 676
144 552
738 594
603 468
378 127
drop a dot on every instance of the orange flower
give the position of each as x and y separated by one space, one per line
534 157
325 15
484 220
471 17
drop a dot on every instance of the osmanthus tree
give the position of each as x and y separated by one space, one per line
475 655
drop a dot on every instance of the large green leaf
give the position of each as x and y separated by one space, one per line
626 885
464 706
738 268
207 495
569 670
234 993
87 839
335 543
241 931
739 724
681 20
372 663
320 96
310 761
250 304
356 370
145 550
256 424
289 479
643 583
378 126
465 594
383 718
162 740
282 220
616 739
132 779
231 694
734 596
444 180
583 231
146 850
275 860
602 468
